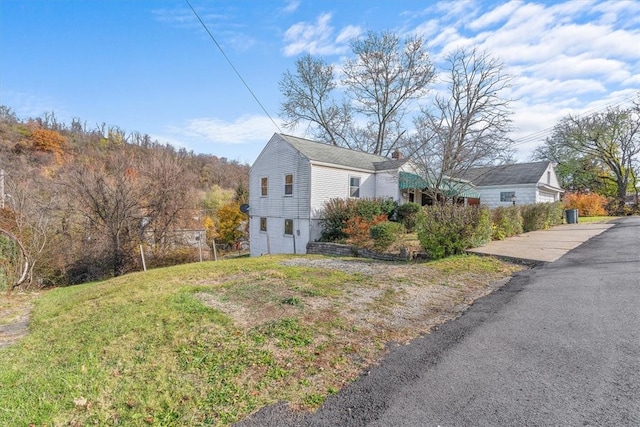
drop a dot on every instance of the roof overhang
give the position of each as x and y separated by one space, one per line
449 187
549 188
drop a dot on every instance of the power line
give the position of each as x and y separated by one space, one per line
233 66
544 132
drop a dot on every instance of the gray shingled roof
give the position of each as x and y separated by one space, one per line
325 153
520 173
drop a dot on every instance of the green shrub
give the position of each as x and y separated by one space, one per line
385 234
482 226
507 222
445 230
407 215
541 216
338 212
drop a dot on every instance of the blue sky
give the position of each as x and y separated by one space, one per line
149 66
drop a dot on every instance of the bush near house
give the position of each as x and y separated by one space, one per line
442 230
591 204
407 215
445 230
358 229
385 234
340 213
540 216
507 222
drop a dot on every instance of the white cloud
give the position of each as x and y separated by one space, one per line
317 38
494 16
239 131
565 57
240 139
291 6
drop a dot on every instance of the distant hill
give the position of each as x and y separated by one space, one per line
85 201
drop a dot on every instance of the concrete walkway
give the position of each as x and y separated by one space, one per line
543 246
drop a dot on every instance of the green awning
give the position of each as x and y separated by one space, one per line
411 181
449 187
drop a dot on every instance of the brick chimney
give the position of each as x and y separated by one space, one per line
396 155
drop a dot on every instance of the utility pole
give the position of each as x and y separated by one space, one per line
1 188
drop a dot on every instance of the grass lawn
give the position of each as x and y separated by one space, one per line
209 343
587 219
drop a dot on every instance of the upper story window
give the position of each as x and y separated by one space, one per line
288 185
354 186
264 186
549 177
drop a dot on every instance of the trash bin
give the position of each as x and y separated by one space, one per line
572 216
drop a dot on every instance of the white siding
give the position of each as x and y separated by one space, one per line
550 178
490 195
331 182
277 159
387 185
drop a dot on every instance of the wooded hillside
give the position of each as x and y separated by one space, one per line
84 201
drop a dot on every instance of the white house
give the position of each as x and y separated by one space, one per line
291 180
522 183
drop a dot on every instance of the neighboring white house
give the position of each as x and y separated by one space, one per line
522 183
291 180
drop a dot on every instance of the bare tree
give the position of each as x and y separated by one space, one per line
170 193
366 110
468 125
111 196
309 99
611 137
33 206
385 76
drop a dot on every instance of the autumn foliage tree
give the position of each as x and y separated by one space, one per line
590 204
49 141
230 221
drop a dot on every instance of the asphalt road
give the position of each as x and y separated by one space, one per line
558 345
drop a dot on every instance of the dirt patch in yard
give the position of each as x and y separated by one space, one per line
348 311
398 299
15 312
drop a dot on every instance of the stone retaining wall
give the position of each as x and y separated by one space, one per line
336 249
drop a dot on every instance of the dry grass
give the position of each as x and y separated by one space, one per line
207 344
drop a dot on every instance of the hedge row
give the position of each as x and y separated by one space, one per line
445 230
449 230
442 230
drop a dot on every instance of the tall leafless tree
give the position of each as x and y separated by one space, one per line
382 80
170 194
364 110
468 125
111 197
309 98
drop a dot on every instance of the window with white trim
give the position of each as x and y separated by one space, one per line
264 186
354 186
263 224
288 227
288 185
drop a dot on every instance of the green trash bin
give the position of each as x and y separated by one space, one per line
572 216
